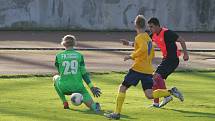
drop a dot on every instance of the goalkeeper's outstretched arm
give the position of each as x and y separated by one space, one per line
86 78
95 90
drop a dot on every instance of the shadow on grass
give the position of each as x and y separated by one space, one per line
31 115
207 75
193 113
100 113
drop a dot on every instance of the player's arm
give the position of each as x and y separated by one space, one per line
131 43
85 74
86 77
142 49
172 36
184 47
127 42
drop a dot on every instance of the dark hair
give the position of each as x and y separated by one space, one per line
154 21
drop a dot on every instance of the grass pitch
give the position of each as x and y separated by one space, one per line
34 99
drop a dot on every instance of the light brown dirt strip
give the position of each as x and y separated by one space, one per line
42 62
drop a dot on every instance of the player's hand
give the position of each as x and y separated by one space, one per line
96 91
124 42
127 57
186 57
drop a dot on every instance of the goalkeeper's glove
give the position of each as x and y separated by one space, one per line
96 91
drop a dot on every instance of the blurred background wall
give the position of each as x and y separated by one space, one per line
108 15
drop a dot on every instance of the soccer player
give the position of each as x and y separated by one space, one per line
141 70
166 40
71 68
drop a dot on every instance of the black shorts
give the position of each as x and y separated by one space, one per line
167 66
133 78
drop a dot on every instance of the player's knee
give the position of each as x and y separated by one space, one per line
156 77
148 94
122 88
155 86
55 77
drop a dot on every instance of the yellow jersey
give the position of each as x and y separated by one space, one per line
143 54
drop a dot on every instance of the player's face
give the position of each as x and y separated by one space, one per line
152 27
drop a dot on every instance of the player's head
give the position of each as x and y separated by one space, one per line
154 25
68 41
140 22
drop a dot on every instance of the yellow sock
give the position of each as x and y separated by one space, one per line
160 93
119 101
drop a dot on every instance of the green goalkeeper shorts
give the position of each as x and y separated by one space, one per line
67 91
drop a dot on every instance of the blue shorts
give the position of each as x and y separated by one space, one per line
133 78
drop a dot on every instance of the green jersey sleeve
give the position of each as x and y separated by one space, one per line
82 66
84 73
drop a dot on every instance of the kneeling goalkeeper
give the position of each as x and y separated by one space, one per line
71 68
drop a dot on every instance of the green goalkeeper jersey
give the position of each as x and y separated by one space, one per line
71 67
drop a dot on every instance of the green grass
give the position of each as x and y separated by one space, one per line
34 99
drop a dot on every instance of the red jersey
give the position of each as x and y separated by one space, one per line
166 41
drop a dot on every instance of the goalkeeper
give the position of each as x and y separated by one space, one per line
71 68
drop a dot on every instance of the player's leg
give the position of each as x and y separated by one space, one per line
120 98
159 78
88 101
119 102
155 101
150 94
170 66
59 91
147 84
159 83
130 79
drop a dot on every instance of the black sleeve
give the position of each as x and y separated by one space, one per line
82 63
170 36
149 33
57 65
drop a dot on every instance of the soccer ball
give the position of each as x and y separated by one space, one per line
76 99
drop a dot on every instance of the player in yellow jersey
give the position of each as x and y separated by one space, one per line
141 70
